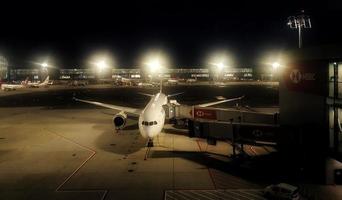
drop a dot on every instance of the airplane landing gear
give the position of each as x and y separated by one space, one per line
149 145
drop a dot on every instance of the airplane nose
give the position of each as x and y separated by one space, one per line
149 132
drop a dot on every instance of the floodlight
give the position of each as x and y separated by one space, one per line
155 62
299 22
275 65
44 65
101 65
154 65
220 60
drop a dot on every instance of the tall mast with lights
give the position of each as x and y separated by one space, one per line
299 22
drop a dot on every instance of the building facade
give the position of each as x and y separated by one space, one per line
310 100
3 67
204 74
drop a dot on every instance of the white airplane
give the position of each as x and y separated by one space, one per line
142 84
126 81
151 118
38 85
172 81
8 87
191 80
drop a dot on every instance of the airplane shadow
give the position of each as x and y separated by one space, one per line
126 141
176 131
122 143
246 170
260 169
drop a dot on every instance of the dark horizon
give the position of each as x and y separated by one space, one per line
187 32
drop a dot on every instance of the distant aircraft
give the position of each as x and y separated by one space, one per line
141 84
77 83
9 87
126 82
172 81
151 118
38 85
191 80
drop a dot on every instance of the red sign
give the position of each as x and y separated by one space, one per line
307 77
205 113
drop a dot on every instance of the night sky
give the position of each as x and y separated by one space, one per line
71 32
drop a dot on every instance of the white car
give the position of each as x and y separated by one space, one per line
282 191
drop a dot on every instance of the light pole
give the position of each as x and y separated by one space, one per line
44 68
299 22
218 69
101 66
154 68
219 61
275 67
220 66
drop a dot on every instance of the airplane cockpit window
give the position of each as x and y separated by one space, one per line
145 123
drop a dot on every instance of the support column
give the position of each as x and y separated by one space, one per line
336 121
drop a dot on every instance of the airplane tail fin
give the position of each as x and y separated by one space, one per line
47 79
45 82
74 96
26 81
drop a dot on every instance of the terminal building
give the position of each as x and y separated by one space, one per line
177 73
21 74
198 73
3 68
310 100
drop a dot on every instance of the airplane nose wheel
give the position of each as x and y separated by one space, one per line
149 145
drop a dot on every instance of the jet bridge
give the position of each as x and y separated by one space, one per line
238 124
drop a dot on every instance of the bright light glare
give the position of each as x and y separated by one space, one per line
44 65
154 65
101 61
274 61
220 65
155 62
220 60
275 65
101 65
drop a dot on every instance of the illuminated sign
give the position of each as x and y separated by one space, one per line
205 113
297 76
307 77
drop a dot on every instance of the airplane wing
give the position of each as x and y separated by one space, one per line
176 94
145 94
11 86
133 111
218 102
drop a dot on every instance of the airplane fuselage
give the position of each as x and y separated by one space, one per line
11 86
152 118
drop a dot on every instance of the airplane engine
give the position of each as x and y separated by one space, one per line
119 120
